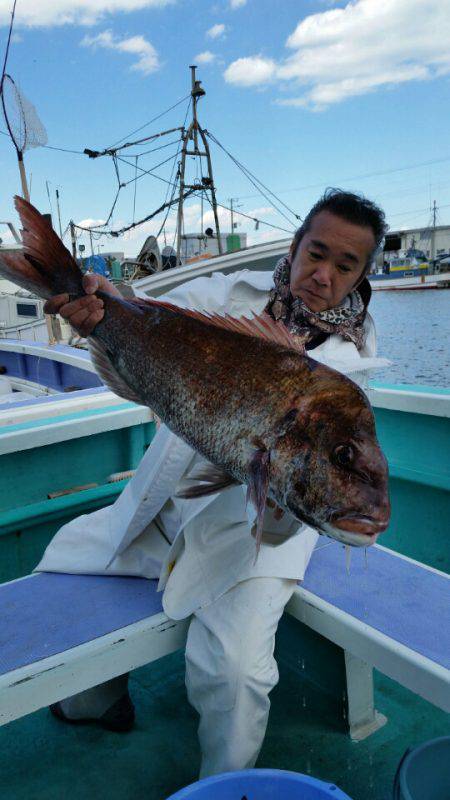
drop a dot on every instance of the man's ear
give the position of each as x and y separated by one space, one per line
362 277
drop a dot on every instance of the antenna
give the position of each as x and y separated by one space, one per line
433 233
207 181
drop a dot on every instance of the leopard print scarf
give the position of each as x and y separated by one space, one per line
346 319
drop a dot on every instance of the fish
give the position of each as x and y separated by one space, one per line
241 391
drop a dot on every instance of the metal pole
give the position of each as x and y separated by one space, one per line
212 189
194 108
433 234
231 212
59 213
192 134
73 239
23 178
180 202
204 241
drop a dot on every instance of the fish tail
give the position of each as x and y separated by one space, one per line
45 266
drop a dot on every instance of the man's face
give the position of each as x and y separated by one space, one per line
330 260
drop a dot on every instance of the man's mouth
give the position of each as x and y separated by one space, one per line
314 294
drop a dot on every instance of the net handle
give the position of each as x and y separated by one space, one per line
23 177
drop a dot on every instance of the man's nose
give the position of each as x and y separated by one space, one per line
322 273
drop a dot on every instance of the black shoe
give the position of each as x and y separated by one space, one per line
119 717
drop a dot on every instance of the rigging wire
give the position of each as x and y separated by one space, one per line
189 193
153 149
255 219
175 185
62 149
49 147
355 177
145 172
135 224
252 178
109 151
5 61
149 122
161 208
135 188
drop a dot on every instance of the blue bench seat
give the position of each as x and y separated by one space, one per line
61 634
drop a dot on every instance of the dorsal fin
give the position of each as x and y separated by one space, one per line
260 326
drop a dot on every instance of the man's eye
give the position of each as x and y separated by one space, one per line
314 256
344 268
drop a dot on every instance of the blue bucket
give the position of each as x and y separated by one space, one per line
424 772
263 784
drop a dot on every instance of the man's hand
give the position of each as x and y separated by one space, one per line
86 312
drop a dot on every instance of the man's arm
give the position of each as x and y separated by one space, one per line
204 294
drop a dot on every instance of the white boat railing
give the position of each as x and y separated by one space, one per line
258 257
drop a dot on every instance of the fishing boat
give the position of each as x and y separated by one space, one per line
410 271
41 369
65 455
70 448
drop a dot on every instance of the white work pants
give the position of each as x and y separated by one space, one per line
230 670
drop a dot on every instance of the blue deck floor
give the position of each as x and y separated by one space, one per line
43 759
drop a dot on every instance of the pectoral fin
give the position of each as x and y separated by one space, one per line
257 488
108 373
211 479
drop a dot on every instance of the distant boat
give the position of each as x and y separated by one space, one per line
411 271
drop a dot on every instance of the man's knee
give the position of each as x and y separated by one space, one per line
219 672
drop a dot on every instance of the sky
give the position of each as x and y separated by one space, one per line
304 93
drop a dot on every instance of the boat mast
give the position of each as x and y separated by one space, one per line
433 235
207 182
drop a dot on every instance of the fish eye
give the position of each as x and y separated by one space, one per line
344 455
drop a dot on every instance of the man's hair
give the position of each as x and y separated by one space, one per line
352 208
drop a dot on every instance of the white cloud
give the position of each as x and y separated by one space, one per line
263 236
350 51
261 211
147 57
43 13
253 71
237 3
216 31
89 222
205 58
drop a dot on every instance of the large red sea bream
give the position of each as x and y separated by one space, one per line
241 392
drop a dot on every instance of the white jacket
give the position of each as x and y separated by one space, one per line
209 547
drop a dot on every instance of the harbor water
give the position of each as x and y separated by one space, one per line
413 329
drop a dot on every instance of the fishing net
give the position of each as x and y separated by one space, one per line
24 126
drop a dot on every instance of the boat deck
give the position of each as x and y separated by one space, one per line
42 758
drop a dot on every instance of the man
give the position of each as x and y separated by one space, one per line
202 550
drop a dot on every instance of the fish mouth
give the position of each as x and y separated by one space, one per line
361 524
349 537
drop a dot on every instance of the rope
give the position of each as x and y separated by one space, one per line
134 224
